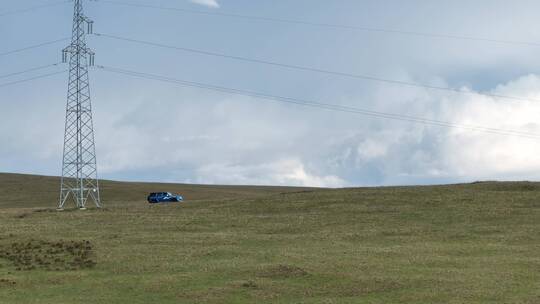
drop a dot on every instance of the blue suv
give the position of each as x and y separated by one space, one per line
164 197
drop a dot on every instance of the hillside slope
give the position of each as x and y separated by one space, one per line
476 243
31 191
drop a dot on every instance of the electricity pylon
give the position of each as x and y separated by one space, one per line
79 166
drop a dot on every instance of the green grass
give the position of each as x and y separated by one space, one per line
477 243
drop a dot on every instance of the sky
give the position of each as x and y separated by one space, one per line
155 131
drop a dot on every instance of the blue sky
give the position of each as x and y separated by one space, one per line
156 131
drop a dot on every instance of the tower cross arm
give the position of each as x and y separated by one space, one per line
74 49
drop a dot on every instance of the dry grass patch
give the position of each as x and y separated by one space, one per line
45 255
282 272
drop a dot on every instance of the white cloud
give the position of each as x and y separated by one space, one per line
371 149
209 3
244 141
488 156
407 153
291 172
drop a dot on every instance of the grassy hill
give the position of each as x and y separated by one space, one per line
31 191
476 243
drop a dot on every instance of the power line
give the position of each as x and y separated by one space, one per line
29 70
316 70
33 47
31 79
325 106
33 8
327 25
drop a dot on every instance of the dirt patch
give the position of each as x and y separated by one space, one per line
22 215
45 210
7 283
52 256
283 272
29 213
250 284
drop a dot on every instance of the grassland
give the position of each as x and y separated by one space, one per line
477 243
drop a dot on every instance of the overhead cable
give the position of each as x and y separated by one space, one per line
29 70
318 70
32 47
32 78
326 25
326 106
33 8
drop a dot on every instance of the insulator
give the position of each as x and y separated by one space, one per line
90 27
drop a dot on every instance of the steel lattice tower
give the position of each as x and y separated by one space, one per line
79 166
